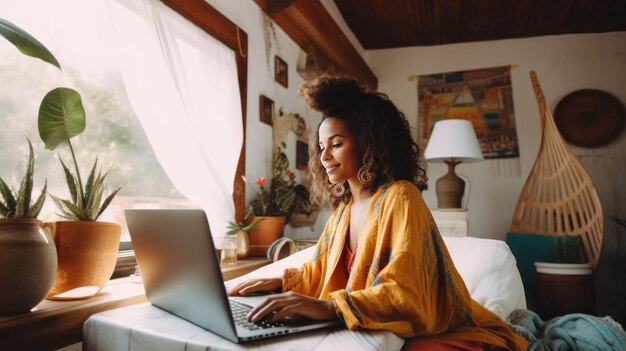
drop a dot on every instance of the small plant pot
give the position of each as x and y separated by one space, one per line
269 230
28 264
565 288
301 220
87 254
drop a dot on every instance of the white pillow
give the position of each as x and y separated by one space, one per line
490 272
487 267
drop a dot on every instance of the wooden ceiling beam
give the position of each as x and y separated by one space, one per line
309 24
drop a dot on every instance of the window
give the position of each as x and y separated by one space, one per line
85 47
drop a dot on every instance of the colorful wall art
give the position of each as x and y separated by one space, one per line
482 96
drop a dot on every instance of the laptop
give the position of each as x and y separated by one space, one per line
181 274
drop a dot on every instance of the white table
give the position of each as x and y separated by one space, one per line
145 327
451 221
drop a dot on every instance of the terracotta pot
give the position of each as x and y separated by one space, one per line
269 230
28 264
565 288
87 254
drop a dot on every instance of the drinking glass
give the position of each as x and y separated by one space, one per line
227 248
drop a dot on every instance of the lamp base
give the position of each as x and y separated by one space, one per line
450 188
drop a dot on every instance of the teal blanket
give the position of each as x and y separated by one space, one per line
570 332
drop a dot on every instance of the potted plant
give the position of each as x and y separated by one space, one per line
87 249
28 258
240 230
565 285
273 207
305 212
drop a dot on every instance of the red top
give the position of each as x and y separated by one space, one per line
347 259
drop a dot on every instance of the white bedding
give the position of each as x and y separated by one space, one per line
487 267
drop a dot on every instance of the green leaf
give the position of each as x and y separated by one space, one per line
94 202
4 210
61 117
37 206
69 210
287 201
71 182
26 43
108 200
9 200
90 180
26 186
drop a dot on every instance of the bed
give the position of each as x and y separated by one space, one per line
487 267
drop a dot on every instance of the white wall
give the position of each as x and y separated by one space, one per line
248 16
563 64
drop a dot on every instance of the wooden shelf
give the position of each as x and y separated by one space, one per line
55 324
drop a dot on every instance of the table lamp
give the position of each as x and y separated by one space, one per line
452 141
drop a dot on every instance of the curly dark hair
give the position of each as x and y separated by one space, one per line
381 130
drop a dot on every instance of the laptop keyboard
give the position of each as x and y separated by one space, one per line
240 311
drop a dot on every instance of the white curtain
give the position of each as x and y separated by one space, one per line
182 84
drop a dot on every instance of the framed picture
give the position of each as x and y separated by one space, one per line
266 109
302 155
280 71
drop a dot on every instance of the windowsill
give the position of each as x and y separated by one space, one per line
55 324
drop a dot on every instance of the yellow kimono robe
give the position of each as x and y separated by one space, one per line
403 279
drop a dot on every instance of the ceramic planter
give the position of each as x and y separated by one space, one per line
87 254
243 245
565 288
300 220
28 264
269 230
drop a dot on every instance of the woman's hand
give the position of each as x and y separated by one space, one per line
256 286
293 305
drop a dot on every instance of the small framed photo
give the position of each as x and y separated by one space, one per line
266 109
302 156
280 71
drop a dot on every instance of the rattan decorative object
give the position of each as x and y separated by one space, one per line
559 197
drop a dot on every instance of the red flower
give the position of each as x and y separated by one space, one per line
291 175
259 182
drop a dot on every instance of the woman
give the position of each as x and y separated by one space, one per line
380 262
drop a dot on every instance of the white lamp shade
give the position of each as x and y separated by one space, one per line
453 138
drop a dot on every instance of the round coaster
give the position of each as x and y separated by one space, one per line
589 117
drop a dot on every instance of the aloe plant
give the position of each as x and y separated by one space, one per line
17 204
62 117
566 249
87 203
236 227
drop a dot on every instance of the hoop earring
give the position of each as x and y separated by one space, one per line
338 190
365 175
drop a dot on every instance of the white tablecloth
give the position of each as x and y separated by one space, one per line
147 328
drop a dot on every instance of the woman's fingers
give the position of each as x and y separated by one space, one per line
237 288
234 290
268 306
291 304
256 286
295 309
